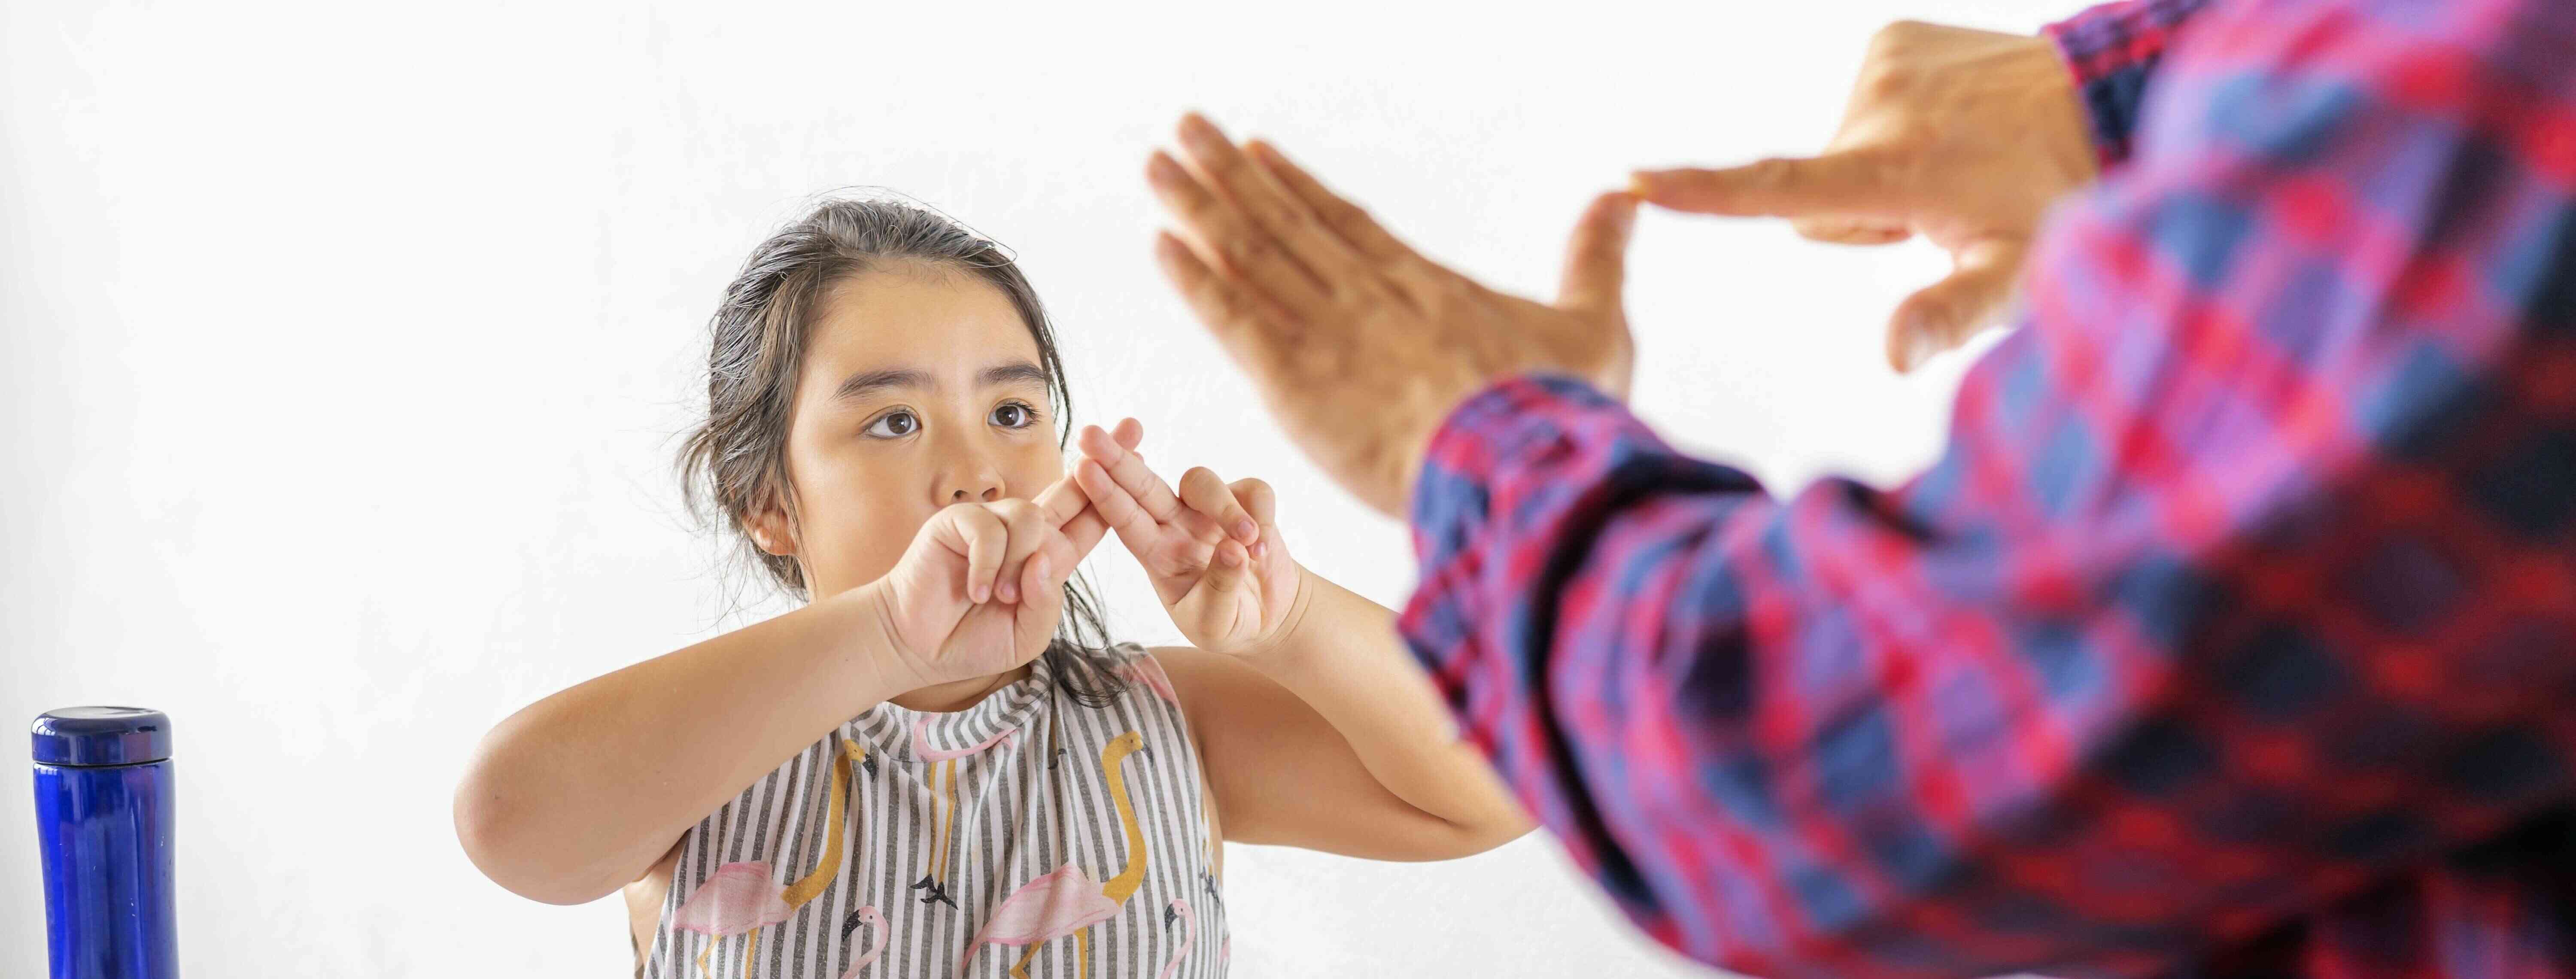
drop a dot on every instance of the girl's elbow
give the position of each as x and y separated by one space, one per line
505 847
1453 840
1494 834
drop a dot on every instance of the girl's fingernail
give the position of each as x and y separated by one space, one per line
1039 564
1246 529
1009 591
1260 550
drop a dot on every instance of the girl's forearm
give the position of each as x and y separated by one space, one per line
1342 656
578 794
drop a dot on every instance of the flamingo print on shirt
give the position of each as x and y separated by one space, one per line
944 762
741 900
813 867
1066 902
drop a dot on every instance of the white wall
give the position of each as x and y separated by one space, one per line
341 348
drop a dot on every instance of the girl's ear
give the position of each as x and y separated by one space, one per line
770 530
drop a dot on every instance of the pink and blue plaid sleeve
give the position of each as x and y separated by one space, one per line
2112 50
2247 575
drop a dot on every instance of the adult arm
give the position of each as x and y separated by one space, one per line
2245 577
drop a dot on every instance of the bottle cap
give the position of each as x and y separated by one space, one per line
101 736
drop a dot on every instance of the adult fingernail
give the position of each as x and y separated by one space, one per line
1199 134
1260 550
1040 564
1161 169
1007 590
1247 530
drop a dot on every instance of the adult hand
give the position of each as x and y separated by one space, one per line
1962 136
1360 345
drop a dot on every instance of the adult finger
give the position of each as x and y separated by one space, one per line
1348 221
1863 183
1236 242
1945 314
1132 474
1332 262
1209 497
1596 261
1239 318
1850 231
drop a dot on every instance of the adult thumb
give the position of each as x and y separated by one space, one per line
1596 260
1943 315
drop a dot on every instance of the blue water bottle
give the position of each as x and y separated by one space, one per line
103 821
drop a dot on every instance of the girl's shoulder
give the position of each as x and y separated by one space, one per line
1205 686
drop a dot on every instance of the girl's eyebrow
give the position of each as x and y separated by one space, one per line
865 383
1021 371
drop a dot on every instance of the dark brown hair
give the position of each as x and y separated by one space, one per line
735 462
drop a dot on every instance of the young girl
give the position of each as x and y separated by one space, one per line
938 766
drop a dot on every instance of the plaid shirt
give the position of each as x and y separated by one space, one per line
2234 632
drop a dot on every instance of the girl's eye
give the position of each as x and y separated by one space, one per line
894 425
1014 415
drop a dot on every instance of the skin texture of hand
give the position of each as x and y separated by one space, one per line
980 590
1962 136
1359 345
1212 549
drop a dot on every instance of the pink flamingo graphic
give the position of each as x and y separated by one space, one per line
877 926
1189 934
1060 903
1067 901
739 899
921 742
1136 671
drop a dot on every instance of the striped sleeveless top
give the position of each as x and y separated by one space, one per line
1027 835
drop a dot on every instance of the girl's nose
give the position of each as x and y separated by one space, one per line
976 491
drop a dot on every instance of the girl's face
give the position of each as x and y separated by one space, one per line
921 387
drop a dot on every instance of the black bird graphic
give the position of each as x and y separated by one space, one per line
938 891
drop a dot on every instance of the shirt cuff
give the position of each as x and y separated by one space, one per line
2112 52
1542 425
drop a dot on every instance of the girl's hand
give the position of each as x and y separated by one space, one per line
982 586
1211 550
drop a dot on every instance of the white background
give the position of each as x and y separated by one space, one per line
342 348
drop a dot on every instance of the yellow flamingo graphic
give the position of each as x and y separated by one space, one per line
935 869
729 885
1054 906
